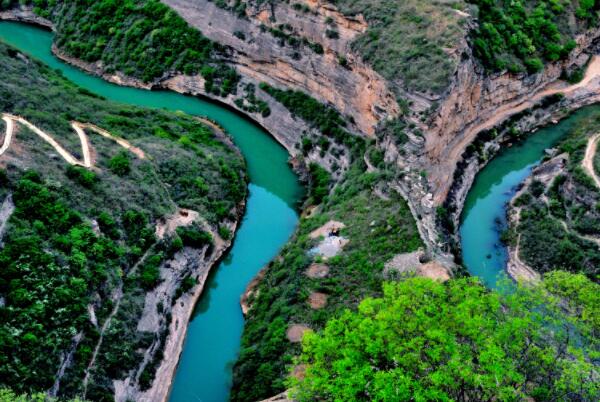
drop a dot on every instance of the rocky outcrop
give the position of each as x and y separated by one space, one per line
352 87
6 210
476 102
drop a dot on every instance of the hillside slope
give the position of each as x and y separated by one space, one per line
95 257
380 102
555 217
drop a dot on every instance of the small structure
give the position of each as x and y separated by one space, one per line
332 242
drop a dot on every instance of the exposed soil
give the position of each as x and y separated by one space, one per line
317 271
433 270
295 332
317 300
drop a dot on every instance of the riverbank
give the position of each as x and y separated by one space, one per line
181 314
544 109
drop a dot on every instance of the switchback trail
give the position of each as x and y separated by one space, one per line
79 128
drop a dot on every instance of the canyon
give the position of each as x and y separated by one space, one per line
436 166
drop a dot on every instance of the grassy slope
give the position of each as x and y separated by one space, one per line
54 263
408 41
572 198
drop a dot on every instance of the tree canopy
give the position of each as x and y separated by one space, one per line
425 340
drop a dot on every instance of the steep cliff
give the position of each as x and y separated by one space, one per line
477 101
258 54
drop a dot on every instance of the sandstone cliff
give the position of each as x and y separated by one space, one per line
476 101
353 88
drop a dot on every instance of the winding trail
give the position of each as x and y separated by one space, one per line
79 129
588 161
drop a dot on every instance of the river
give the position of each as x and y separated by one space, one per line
484 214
213 337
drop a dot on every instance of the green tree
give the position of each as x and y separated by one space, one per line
120 164
425 340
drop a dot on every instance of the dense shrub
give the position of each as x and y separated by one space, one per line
119 164
83 176
521 35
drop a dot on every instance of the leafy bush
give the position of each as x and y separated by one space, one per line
319 183
81 175
119 164
192 236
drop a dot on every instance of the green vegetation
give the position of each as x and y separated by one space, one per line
560 220
319 184
119 164
141 38
250 103
522 35
7 395
322 117
377 230
57 262
424 340
407 42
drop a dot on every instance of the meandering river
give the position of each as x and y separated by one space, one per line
484 214
213 337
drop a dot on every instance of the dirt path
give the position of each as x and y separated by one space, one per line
588 161
79 129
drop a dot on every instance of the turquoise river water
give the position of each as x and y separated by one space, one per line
484 214
213 337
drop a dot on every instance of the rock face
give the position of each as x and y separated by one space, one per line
354 88
475 102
